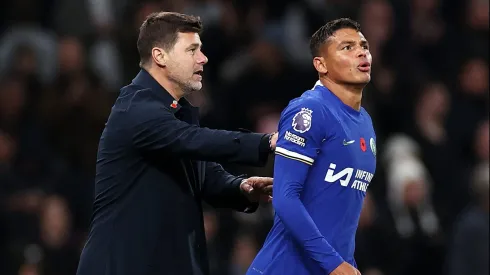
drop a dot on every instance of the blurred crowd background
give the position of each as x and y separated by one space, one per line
62 63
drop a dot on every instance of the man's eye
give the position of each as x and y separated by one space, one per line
348 47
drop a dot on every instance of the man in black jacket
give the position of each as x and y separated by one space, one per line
155 164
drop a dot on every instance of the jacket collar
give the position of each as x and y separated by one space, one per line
145 80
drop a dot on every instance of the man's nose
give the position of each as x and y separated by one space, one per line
203 59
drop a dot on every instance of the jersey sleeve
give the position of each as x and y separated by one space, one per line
301 131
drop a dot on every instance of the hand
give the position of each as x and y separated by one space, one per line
257 189
274 141
345 269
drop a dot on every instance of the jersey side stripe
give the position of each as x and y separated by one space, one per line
293 155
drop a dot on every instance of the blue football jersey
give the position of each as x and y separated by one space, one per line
325 161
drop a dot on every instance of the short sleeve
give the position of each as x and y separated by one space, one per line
301 130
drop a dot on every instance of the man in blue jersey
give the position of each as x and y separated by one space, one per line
325 160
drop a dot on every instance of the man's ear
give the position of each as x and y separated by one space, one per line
159 56
320 64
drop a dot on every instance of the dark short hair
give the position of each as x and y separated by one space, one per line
324 32
161 29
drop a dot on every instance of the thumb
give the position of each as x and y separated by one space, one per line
246 187
259 182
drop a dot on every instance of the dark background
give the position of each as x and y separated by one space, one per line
63 61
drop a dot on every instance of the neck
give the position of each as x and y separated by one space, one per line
170 86
350 95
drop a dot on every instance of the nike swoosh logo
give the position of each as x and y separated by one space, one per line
348 142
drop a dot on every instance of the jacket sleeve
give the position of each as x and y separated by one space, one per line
222 190
157 129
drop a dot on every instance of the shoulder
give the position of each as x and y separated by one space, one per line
138 103
303 113
308 100
135 98
368 119
365 113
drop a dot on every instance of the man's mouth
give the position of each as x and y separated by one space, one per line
364 67
199 72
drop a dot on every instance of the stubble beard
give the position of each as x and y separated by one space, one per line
187 87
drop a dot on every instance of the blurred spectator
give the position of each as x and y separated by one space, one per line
376 247
481 146
59 253
409 196
34 41
469 246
